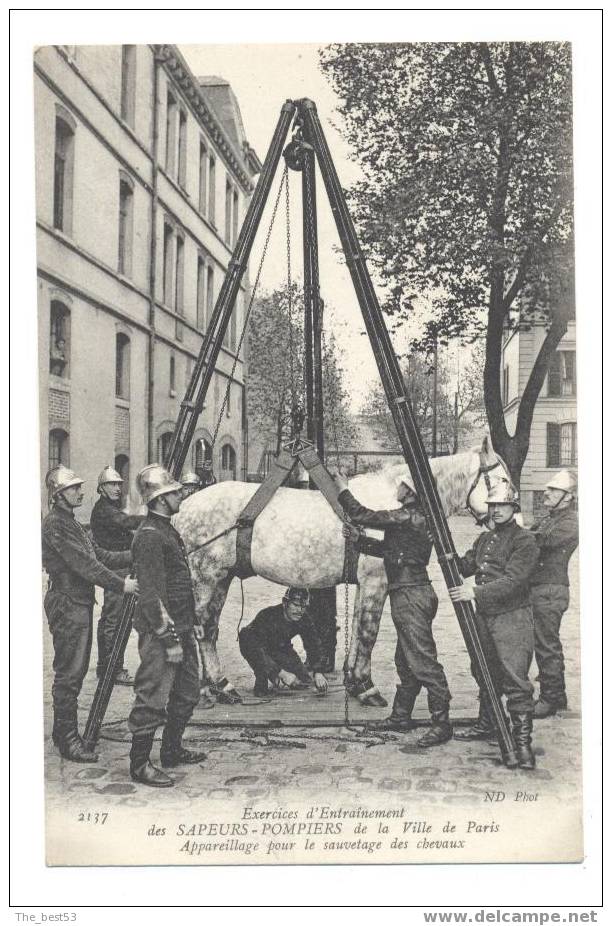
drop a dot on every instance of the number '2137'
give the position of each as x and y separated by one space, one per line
93 817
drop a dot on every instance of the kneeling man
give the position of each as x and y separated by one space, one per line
266 645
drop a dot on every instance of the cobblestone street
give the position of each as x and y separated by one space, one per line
278 758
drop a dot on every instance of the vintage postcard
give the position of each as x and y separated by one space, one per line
308 453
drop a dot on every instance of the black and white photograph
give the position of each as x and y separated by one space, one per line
307 362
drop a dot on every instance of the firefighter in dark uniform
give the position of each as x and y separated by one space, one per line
557 538
407 547
166 686
207 476
191 484
502 559
112 529
75 566
266 645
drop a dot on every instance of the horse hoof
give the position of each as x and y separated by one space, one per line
375 700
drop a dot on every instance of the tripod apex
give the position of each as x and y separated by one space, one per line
305 103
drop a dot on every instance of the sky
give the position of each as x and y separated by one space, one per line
263 77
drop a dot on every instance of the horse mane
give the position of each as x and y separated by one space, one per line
453 474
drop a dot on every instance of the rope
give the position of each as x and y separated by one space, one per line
247 314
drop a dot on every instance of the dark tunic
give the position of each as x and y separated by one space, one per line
406 545
272 634
502 561
406 550
112 528
557 538
163 575
163 691
74 562
75 565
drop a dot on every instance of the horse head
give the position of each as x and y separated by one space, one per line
491 469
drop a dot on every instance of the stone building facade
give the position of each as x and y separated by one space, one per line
143 176
553 441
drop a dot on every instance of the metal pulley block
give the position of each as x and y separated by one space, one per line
295 153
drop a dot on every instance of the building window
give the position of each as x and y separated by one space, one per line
228 212
228 461
188 371
171 113
172 375
561 444
235 201
506 384
167 267
210 293
126 225
179 275
128 83
212 167
59 340
233 325
163 445
228 404
202 178
201 295
122 465
182 149
59 448
562 373
122 366
63 174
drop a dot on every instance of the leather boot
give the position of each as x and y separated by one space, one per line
141 769
72 747
400 720
441 730
522 725
547 707
172 753
481 730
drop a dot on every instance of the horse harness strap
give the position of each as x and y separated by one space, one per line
281 467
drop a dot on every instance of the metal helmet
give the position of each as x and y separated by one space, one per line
564 481
107 475
190 479
154 480
297 595
405 492
60 478
503 493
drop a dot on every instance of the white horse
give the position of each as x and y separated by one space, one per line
297 540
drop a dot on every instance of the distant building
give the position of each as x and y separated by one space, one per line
553 441
143 177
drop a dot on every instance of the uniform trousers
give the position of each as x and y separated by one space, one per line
550 602
71 626
512 636
108 624
413 608
266 661
164 692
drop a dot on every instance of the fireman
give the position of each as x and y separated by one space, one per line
557 538
191 484
112 529
75 566
166 686
502 559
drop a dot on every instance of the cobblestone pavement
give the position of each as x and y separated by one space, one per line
278 758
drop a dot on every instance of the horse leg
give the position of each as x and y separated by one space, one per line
209 605
371 600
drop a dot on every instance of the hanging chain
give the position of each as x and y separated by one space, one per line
290 293
347 722
248 311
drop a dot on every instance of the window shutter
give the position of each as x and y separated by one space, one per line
553 444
